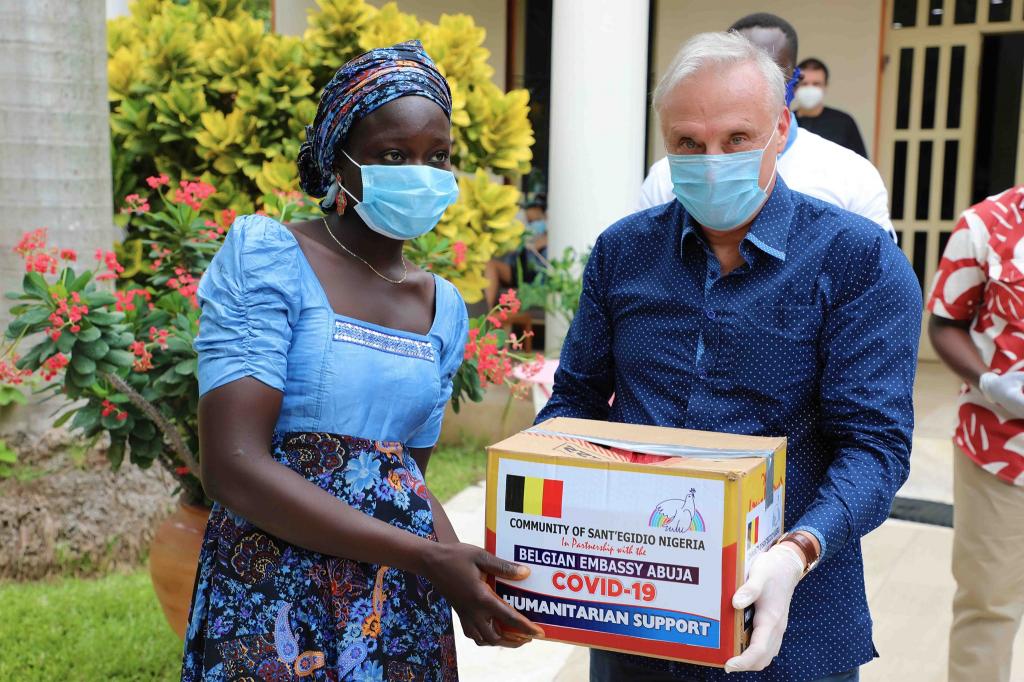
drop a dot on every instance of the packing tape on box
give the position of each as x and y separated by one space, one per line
667 450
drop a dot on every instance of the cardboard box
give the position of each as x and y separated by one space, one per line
636 536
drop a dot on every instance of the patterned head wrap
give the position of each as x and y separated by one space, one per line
359 88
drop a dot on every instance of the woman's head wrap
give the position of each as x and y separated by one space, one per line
360 87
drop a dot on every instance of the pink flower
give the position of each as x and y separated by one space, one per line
459 250
157 181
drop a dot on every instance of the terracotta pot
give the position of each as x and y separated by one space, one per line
173 559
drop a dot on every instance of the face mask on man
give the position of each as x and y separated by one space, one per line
404 202
809 96
537 227
721 191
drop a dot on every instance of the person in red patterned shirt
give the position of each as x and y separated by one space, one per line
977 328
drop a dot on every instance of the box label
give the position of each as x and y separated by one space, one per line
620 552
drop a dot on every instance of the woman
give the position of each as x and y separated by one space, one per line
325 364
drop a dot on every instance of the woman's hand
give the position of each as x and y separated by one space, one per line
458 571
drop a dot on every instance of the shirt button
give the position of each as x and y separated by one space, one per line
702 373
710 313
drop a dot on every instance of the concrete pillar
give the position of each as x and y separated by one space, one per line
290 16
598 115
117 8
54 130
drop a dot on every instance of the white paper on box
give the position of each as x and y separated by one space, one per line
632 553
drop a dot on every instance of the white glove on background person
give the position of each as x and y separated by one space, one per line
769 587
1004 390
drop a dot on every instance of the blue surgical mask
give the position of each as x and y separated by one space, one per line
537 226
404 202
720 191
791 86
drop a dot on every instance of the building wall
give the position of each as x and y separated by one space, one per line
290 19
843 34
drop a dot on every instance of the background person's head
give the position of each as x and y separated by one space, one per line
536 208
723 94
773 34
811 92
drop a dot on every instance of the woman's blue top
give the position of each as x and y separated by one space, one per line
265 315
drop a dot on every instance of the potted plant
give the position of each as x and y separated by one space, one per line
116 341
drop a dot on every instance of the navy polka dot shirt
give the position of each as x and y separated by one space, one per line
815 338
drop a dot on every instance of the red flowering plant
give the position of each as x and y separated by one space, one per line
492 353
116 339
117 342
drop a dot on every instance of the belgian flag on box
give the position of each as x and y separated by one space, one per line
536 496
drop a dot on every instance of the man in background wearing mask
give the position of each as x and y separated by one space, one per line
745 307
809 163
813 115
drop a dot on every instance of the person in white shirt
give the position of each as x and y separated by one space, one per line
809 163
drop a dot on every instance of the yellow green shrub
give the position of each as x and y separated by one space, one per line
203 90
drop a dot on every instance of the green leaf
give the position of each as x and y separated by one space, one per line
81 281
86 417
83 364
97 350
34 285
96 299
31 361
61 420
65 342
104 319
144 430
82 380
115 453
12 395
89 334
176 344
186 367
105 367
34 316
112 423
119 358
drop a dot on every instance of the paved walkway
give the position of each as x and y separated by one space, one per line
906 568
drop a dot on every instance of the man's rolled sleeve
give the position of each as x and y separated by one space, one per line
869 353
584 381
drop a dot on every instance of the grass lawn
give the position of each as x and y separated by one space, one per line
112 628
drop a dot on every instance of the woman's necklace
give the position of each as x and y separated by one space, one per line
405 266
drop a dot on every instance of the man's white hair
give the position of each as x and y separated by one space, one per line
719 50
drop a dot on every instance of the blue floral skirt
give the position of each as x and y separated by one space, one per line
264 609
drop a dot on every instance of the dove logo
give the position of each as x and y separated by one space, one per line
678 516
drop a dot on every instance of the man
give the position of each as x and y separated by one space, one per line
745 307
813 115
977 328
525 262
810 163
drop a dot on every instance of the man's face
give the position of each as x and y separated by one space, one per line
722 110
773 41
813 77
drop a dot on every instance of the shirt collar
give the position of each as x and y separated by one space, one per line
768 233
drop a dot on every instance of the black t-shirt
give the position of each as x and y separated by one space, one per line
837 126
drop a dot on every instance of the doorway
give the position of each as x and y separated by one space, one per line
999 115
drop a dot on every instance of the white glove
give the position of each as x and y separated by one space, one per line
770 584
1005 390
